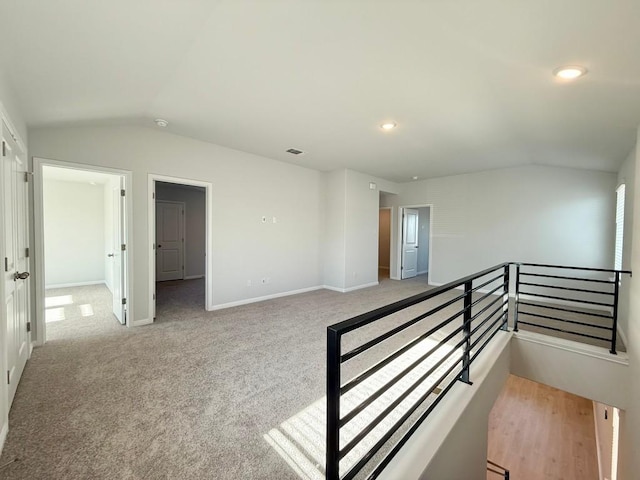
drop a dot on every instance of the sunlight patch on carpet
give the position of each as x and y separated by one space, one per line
300 440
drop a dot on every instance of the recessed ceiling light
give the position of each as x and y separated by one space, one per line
570 72
414 177
92 183
161 122
388 125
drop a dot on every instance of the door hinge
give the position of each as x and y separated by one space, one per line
154 296
28 326
26 252
122 193
124 301
123 247
8 377
153 195
6 264
4 149
26 177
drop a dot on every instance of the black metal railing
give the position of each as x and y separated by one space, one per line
384 402
493 467
439 356
579 306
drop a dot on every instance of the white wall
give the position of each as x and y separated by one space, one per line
74 233
530 214
630 420
195 223
245 188
626 175
424 216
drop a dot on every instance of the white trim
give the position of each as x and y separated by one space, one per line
597 433
194 277
3 433
265 297
139 323
622 336
151 221
350 289
76 284
13 131
570 346
38 163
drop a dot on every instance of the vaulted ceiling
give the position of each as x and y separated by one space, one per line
469 83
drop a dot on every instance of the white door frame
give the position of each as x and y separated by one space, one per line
151 215
38 164
183 233
400 239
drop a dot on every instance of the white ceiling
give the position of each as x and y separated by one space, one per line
468 82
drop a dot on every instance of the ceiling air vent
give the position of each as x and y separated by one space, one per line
294 151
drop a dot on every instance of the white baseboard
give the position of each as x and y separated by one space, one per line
77 284
350 289
3 434
263 298
141 322
383 268
193 277
423 272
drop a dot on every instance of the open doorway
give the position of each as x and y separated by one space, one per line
180 273
415 242
384 244
83 261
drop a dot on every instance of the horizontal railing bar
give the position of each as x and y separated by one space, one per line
382 415
488 306
488 294
473 357
575 300
566 321
385 361
496 465
366 318
500 318
566 310
558 287
497 277
372 343
562 277
497 309
489 469
367 456
563 331
565 267
374 396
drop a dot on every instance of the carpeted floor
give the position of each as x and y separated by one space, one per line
197 395
189 397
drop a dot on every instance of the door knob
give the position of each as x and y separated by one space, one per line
20 276
110 255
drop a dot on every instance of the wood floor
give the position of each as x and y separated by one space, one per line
539 432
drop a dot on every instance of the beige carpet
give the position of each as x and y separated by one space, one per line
190 397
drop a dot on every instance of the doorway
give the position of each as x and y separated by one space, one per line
384 243
82 236
180 257
415 242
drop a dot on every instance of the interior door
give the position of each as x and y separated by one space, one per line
16 262
409 243
169 240
118 256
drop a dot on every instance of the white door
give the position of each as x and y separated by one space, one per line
118 256
16 261
169 240
409 243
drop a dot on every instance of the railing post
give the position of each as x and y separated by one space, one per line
332 467
505 324
614 331
466 359
517 302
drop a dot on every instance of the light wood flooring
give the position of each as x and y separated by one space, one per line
539 432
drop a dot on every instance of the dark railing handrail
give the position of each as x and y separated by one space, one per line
456 371
354 323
